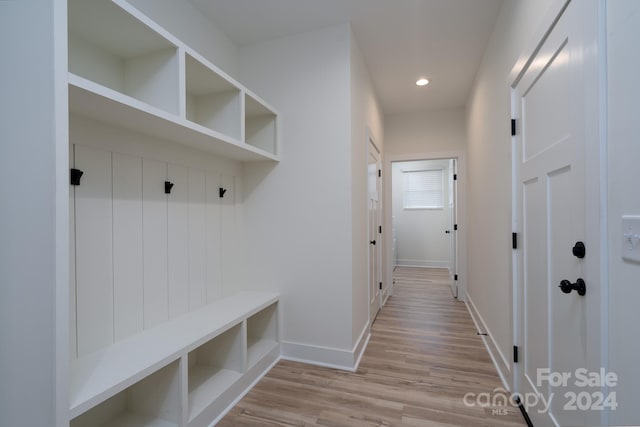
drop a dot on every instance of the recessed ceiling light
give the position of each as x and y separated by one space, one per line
422 82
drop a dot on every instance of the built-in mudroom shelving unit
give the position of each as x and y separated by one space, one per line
152 343
126 70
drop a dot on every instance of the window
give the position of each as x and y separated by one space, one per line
422 189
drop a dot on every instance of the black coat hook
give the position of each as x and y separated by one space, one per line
222 191
167 187
76 174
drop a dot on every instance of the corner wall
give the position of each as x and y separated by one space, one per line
489 163
298 213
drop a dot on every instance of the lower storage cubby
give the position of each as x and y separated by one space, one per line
262 334
152 402
214 368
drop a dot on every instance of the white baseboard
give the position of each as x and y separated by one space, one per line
422 263
345 360
498 358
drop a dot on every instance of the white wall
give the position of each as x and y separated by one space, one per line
623 21
425 132
185 22
421 238
489 163
298 213
33 184
365 113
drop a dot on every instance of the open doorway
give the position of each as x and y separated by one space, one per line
424 217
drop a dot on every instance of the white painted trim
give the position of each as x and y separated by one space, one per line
504 368
461 156
423 264
328 357
61 138
244 393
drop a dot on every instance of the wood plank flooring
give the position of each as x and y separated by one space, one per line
423 357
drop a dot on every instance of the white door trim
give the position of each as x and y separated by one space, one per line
460 155
379 248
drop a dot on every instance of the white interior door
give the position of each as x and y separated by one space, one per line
374 222
550 194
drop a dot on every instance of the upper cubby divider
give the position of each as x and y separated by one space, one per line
110 47
260 123
212 101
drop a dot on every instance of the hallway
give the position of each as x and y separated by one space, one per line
423 357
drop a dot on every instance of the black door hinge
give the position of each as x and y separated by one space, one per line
513 127
380 173
379 229
515 354
455 176
75 175
455 277
455 227
514 240
380 285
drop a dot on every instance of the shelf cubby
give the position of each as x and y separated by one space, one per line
260 124
151 402
213 369
262 334
212 101
111 47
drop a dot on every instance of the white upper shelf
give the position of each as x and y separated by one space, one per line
89 99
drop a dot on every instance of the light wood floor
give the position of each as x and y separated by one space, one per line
423 357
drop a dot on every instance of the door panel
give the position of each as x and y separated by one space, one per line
552 218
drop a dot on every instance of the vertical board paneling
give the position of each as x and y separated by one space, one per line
228 230
197 239
73 345
178 238
127 246
154 209
214 271
94 251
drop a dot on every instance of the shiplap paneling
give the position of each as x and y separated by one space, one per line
146 256
94 250
227 227
197 238
73 344
213 260
178 241
154 223
127 246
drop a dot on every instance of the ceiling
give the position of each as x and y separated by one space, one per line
401 40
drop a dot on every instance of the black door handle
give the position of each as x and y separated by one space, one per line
447 231
579 250
373 242
580 286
